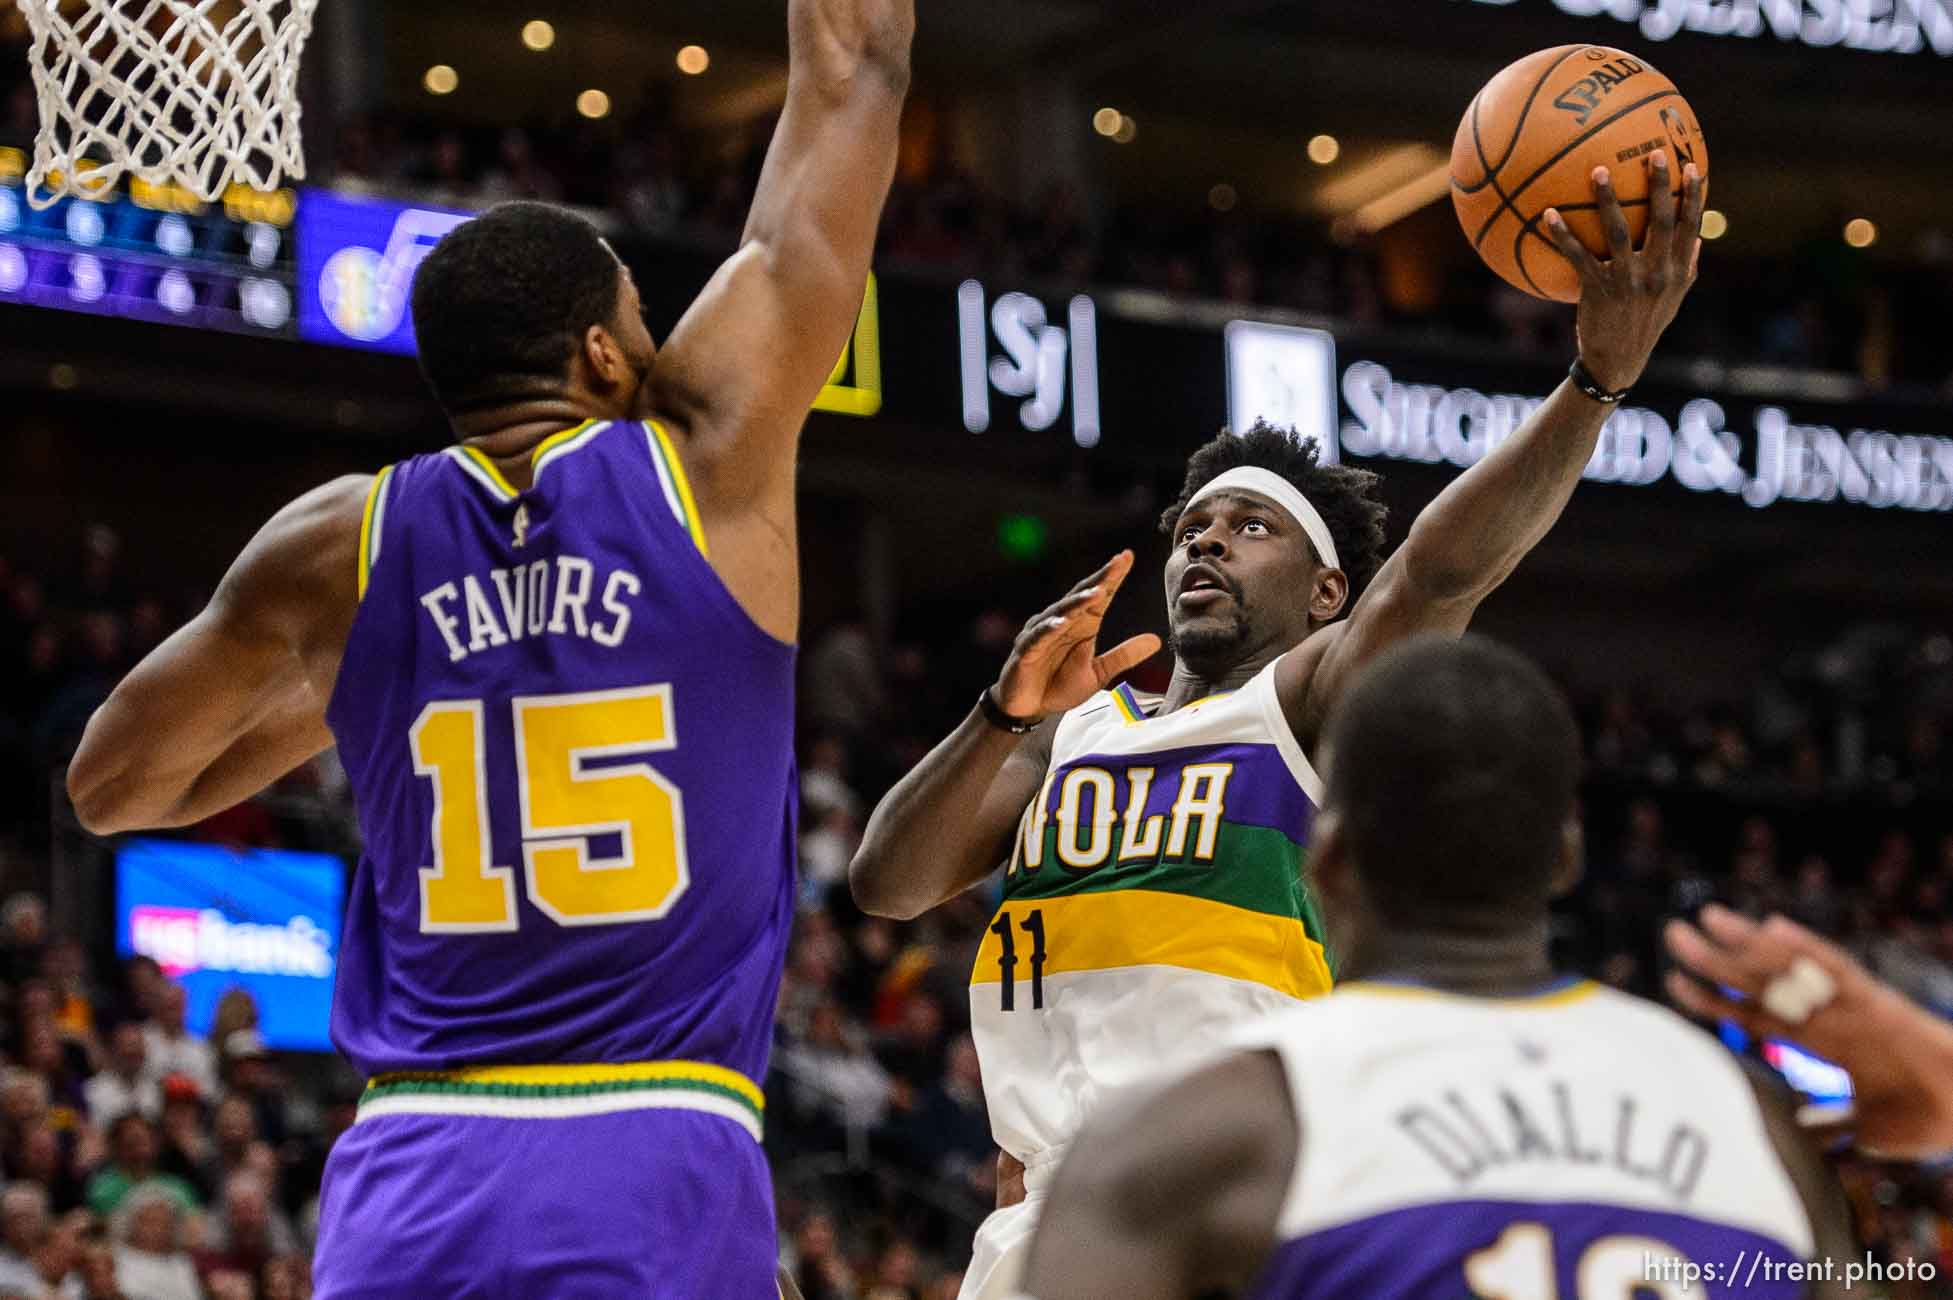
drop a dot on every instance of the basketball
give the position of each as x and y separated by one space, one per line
1531 139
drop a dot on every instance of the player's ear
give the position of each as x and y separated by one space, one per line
1330 595
1573 857
605 357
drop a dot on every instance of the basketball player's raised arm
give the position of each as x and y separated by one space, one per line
948 823
236 698
1469 540
1176 1196
742 368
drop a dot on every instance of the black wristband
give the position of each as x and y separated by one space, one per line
1584 380
993 713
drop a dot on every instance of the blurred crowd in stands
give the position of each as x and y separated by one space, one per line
1828 306
142 1161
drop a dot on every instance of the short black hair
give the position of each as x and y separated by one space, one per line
502 302
1346 496
1454 766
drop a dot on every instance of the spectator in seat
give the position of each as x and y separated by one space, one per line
44 1157
169 1047
250 1074
23 1102
132 1161
150 1261
23 936
949 1131
123 1086
835 1079
64 1067
57 1257
284 1278
249 1231
187 1149
65 967
819 1265
142 986
97 1273
24 1225
236 1009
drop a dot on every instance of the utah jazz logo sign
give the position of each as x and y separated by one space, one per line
855 385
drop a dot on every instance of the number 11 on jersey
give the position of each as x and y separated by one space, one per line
1033 925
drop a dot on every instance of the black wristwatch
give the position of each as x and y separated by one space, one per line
994 714
1584 380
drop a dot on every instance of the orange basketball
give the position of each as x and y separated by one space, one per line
1532 138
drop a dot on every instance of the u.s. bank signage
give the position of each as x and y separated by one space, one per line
1880 26
263 920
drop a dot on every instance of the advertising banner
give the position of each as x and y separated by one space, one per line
264 920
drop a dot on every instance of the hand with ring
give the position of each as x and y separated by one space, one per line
1794 985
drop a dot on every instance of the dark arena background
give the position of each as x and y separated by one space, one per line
1117 225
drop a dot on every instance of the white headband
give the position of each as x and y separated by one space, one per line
1284 494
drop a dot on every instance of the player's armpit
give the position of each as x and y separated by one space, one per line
235 698
1175 1195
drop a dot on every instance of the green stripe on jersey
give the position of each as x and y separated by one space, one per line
1254 867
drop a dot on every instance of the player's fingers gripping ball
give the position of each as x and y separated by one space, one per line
1530 141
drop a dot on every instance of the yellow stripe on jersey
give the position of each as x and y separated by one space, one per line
668 454
496 478
1577 991
555 440
1143 927
1127 705
369 539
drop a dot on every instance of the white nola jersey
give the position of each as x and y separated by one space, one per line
1154 903
1580 1144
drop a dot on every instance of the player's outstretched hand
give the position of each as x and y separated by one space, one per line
1798 986
1627 300
1056 664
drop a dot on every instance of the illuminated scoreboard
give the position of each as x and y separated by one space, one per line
153 253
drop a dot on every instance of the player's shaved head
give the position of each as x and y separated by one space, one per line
501 304
1453 771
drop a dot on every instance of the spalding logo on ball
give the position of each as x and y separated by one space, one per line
1532 138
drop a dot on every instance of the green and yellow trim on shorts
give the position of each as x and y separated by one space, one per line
566 1091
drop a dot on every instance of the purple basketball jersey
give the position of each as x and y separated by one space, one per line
572 753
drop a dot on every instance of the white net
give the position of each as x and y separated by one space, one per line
198 93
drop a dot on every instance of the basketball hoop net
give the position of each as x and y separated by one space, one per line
197 93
